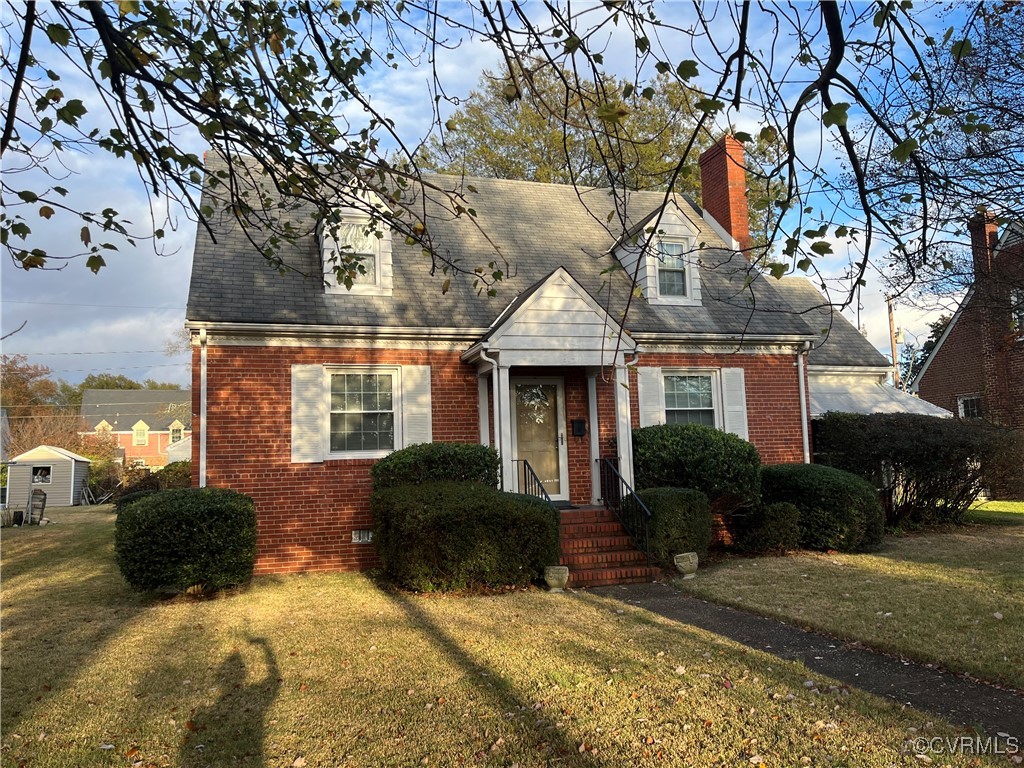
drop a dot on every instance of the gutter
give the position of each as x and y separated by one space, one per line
803 401
346 331
202 407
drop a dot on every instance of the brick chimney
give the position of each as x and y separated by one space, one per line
984 237
723 182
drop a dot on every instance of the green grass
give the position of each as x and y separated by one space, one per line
930 596
336 670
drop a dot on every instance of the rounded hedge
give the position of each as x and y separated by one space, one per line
838 510
177 539
680 522
434 462
177 474
451 535
719 464
768 529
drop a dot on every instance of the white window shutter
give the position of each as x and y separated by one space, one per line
309 414
416 426
651 396
734 393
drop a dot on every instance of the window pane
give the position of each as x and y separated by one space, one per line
689 400
671 282
362 417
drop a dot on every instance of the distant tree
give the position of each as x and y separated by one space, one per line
912 359
71 394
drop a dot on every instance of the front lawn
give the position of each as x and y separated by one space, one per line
331 670
954 598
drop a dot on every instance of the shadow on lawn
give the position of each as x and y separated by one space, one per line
234 726
64 601
502 694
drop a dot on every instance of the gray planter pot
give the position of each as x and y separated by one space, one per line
556 576
686 564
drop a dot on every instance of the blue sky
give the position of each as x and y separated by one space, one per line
119 320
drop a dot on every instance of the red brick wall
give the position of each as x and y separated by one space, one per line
773 398
307 512
956 368
723 182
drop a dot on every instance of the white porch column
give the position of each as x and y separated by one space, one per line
595 437
482 410
623 424
503 429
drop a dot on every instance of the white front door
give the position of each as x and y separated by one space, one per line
538 432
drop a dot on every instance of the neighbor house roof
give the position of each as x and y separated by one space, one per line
123 408
838 342
526 228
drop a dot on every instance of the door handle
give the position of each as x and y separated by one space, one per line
561 438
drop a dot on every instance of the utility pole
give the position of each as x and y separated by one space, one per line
892 345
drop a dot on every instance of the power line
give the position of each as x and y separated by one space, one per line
71 304
126 352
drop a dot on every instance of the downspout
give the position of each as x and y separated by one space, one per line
803 401
495 415
202 407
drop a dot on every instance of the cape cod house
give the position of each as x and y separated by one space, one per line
300 386
142 423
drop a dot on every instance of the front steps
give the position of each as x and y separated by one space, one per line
598 551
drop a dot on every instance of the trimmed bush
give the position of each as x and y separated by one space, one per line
720 465
769 529
135 480
680 522
928 469
174 540
838 510
177 474
450 535
127 498
434 462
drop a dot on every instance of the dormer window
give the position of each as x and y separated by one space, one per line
348 237
671 269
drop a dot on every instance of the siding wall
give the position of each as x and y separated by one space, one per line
307 512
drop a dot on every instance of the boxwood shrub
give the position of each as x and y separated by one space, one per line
838 510
441 536
173 540
768 529
177 474
432 462
680 522
720 465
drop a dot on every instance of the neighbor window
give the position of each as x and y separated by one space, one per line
690 399
176 433
1017 311
140 436
671 269
41 475
362 412
969 406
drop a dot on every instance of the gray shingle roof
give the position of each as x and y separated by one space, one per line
534 227
122 408
839 342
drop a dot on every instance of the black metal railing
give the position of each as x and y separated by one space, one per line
621 499
527 481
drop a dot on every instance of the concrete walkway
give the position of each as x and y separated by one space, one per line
991 710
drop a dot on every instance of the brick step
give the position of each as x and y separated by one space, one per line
613 559
589 530
574 544
587 515
602 577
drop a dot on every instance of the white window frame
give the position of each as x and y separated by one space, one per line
1017 313
37 478
717 396
376 282
961 399
396 409
691 274
136 440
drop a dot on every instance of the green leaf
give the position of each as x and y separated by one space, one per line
901 153
822 248
612 112
687 70
777 270
70 112
962 49
709 105
743 137
126 7
662 67
95 262
643 45
842 231
804 265
28 196
768 134
836 114
58 34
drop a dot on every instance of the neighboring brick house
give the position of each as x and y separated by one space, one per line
299 385
976 368
143 423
